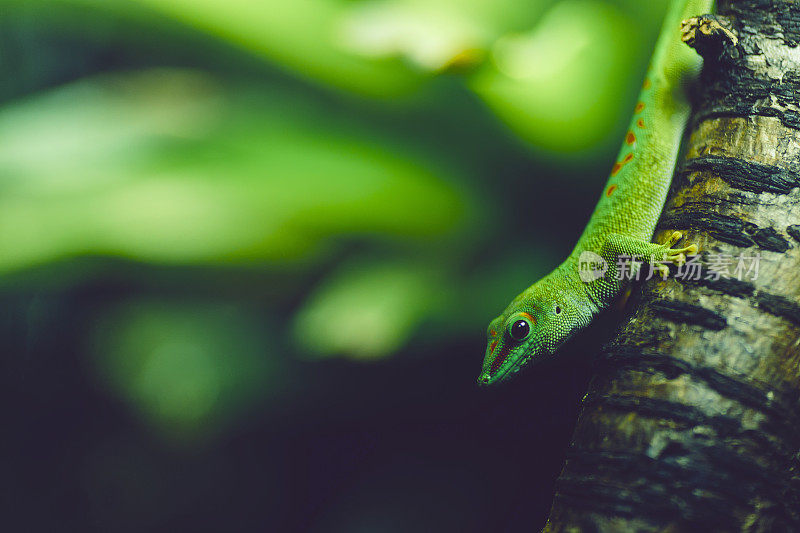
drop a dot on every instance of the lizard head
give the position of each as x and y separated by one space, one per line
533 326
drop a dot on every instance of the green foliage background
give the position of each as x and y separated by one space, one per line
220 215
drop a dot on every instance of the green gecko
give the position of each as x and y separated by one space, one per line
539 320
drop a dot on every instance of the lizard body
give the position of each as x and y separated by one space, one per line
551 310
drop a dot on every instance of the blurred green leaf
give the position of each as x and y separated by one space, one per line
368 309
379 48
432 34
338 42
170 166
300 34
186 368
558 85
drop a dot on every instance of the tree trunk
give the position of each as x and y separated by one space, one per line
692 419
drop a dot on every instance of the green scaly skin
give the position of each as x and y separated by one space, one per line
544 316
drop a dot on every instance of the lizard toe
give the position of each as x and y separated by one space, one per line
674 238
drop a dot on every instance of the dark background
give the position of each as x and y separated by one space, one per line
248 252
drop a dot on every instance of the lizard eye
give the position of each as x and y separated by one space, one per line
519 330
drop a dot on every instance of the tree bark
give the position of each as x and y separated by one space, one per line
692 419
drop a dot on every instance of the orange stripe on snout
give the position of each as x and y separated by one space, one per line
497 362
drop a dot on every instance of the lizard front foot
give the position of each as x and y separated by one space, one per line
677 256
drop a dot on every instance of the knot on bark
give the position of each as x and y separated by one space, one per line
710 35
